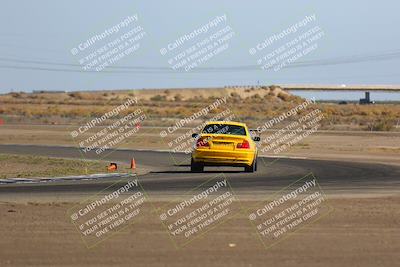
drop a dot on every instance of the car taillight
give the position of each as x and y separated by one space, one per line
202 142
245 145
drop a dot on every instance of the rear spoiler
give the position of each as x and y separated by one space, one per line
254 131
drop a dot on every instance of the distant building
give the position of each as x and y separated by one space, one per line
366 100
47 92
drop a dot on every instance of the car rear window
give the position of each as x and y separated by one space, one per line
224 129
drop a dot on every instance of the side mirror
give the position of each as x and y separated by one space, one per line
195 135
256 138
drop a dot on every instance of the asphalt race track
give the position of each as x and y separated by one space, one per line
169 173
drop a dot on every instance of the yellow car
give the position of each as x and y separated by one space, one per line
224 143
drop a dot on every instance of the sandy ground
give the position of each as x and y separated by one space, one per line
359 232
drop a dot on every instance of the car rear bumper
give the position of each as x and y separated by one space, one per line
223 157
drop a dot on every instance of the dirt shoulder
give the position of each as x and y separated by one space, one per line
359 232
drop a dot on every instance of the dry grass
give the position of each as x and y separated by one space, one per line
14 166
253 105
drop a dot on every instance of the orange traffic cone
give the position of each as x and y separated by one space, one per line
112 167
133 164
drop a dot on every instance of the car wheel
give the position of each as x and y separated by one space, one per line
196 167
252 167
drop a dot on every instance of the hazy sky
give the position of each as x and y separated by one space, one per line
36 37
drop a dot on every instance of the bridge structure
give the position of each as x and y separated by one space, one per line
342 87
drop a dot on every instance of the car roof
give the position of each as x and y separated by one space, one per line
227 123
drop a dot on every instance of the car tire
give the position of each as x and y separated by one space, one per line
252 167
196 167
